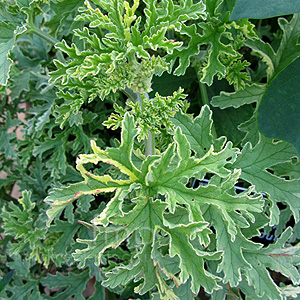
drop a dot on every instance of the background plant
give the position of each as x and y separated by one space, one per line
141 214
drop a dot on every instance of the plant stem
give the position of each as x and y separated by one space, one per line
205 100
150 141
203 92
47 37
150 144
130 94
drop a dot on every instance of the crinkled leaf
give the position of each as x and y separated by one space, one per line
197 131
25 291
251 93
276 258
254 163
6 44
191 259
233 261
70 285
288 50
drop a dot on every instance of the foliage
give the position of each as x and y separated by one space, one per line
273 109
244 9
175 207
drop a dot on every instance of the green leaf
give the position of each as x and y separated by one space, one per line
191 259
58 160
278 114
64 10
276 258
5 280
66 239
251 94
197 131
254 163
8 137
233 261
168 181
226 122
70 285
256 9
19 222
7 40
25 291
59 199
99 293
288 50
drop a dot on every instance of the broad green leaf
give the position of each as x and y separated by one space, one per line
227 121
254 163
167 84
256 9
278 114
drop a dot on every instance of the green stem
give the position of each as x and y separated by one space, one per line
150 141
150 144
205 100
47 37
130 94
203 92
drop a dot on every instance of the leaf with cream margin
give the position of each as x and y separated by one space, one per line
254 163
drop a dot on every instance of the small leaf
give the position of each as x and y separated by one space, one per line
5 280
251 93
